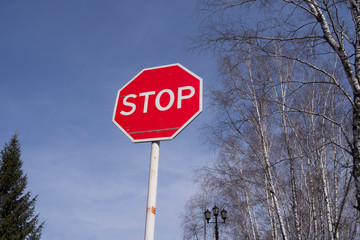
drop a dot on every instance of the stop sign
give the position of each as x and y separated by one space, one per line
158 103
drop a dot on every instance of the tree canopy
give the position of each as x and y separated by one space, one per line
288 128
17 218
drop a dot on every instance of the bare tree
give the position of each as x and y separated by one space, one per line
326 31
193 222
284 164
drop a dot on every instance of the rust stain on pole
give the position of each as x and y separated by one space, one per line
152 210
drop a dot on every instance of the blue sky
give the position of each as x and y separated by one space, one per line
61 64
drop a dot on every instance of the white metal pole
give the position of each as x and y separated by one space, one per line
152 190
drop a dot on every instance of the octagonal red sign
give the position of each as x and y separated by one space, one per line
158 103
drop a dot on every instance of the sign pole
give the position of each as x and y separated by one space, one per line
156 105
152 190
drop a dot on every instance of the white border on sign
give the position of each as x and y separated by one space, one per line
184 125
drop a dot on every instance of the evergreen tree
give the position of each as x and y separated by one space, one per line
17 219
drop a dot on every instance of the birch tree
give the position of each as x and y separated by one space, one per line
326 31
284 165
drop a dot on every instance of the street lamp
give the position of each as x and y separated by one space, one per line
215 210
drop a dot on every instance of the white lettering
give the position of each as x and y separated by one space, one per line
189 93
181 97
171 101
146 100
129 104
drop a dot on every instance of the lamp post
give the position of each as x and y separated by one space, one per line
215 210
